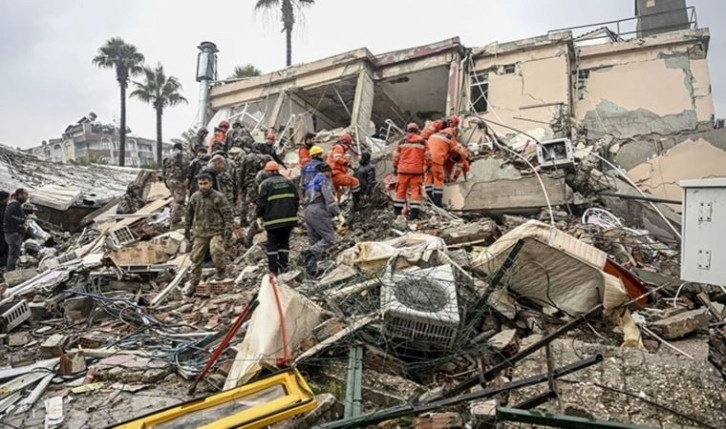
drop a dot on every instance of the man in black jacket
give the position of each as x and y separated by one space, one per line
14 226
277 204
4 197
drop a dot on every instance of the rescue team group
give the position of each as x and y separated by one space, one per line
234 176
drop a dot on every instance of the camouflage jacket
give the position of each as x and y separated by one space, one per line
130 203
175 167
226 178
208 214
250 166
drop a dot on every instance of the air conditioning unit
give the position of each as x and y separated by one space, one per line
422 306
555 153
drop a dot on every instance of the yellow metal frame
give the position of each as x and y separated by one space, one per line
298 399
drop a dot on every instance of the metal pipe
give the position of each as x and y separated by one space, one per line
203 103
408 409
493 371
639 198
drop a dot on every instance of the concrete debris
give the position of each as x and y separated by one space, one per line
681 324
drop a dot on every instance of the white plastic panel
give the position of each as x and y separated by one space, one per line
703 247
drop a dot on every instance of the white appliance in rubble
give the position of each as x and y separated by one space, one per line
555 153
703 231
421 305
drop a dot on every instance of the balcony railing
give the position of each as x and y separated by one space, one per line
623 29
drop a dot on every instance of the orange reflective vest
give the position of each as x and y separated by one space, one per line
409 157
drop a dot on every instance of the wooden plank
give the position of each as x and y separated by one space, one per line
147 209
354 326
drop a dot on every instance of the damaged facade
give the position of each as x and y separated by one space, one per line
89 140
647 94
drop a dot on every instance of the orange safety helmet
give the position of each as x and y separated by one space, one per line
453 121
270 137
412 126
224 125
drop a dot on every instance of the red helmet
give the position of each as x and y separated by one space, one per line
346 139
224 125
412 126
453 121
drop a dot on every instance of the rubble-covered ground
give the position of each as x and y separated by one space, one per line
446 318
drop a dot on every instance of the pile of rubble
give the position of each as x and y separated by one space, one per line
483 313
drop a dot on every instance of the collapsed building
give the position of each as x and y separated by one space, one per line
649 94
550 291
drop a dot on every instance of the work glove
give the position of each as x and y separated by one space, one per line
341 219
259 223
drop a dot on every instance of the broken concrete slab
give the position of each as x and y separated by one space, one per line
681 324
519 196
470 234
16 277
144 253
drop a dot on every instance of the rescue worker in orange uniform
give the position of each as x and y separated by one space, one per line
432 127
217 143
457 163
303 153
408 164
439 146
338 161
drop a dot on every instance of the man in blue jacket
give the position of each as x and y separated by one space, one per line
320 208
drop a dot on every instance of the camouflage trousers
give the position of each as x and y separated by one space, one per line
228 192
179 193
216 248
246 206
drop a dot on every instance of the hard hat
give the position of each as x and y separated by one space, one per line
454 121
316 150
224 124
412 126
346 139
271 166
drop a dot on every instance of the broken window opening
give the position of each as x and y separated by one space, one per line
479 91
582 76
509 68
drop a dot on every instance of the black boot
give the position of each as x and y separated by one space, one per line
311 265
273 263
438 200
357 203
413 214
283 261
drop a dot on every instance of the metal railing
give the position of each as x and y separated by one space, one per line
629 26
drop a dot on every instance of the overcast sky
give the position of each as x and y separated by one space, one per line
47 80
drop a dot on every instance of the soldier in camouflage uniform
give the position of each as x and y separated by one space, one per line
209 219
131 201
239 136
174 172
201 142
248 182
195 167
227 182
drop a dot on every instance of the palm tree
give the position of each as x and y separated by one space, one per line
127 60
161 92
248 70
287 11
